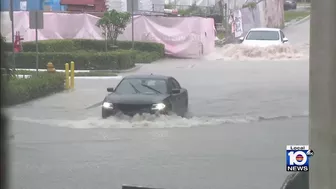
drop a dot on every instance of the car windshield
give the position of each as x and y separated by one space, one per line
142 86
263 35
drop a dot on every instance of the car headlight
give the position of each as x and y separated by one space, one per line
108 105
158 106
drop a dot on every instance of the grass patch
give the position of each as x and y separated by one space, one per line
90 73
295 15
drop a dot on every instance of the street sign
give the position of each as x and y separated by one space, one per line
23 5
36 20
134 4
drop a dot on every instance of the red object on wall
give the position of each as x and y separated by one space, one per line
17 42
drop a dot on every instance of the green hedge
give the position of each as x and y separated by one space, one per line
146 57
83 60
87 54
23 90
71 45
114 60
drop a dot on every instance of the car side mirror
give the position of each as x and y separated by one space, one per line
285 40
110 89
176 91
241 38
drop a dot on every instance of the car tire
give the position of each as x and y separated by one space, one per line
185 113
105 114
187 105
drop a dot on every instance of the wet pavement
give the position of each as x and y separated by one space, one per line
242 114
233 156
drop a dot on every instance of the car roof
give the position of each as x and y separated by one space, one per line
149 76
265 29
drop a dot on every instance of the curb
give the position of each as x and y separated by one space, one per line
137 66
298 21
79 77
99 77
302 20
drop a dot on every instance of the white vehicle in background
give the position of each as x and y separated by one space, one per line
264 37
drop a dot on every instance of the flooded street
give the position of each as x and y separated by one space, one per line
244 108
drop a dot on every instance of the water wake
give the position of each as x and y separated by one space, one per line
243 52
152 121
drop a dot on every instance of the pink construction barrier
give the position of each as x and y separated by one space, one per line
184 37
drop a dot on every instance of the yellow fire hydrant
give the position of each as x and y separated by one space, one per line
50 67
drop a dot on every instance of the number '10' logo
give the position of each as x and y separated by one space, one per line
297 158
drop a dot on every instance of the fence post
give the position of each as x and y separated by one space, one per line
72 67
67 76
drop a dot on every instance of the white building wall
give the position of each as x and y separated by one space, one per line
144 5
119 5
190 2
147 5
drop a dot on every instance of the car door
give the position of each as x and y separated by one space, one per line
181 98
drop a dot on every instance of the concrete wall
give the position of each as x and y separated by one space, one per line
322 137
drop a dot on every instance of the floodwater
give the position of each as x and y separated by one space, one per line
245 106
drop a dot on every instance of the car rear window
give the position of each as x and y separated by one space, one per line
263 35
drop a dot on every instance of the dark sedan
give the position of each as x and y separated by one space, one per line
290 4
153 94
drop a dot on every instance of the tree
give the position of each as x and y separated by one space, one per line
113 23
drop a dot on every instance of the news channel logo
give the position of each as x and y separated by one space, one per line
297 158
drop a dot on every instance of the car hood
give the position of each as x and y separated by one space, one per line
261 43
135 98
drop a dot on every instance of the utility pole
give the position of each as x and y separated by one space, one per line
322 102
227 32
11 16
222 12
132 9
